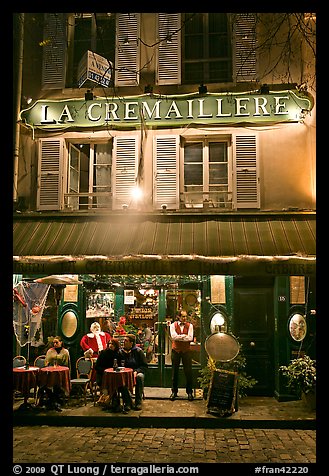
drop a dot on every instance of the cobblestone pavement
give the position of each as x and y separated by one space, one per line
46 444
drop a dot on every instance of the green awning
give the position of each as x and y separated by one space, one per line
165 243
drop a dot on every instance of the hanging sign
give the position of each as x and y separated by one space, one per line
94 67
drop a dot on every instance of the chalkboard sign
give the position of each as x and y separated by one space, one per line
222 392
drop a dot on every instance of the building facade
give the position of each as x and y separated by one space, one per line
168 160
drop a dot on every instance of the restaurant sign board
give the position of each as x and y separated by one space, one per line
156 110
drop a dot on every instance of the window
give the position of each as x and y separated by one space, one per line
94 32
207 53
89 176
206 175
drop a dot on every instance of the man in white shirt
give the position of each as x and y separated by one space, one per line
181 333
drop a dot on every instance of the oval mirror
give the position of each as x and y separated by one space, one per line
297 327
69 324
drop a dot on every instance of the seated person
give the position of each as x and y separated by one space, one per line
135 359
106 358
56 355
105 361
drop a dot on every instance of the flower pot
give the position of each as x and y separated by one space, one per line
309 400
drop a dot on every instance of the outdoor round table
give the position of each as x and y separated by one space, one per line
55 376
113 380
25 379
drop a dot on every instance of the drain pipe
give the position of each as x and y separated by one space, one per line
18 102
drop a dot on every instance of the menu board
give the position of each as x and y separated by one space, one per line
222 392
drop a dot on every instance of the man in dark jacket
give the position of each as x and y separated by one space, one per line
135 359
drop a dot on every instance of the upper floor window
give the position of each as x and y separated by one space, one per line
90 31
89 176
67 37
207 53
206 175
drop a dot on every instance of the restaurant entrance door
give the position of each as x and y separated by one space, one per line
254 327
171 301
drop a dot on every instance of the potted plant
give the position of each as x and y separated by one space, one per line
301 378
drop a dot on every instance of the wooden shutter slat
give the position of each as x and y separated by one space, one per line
246 169
50 174
124 169
166 171
245 47
127 62
54 51
169 49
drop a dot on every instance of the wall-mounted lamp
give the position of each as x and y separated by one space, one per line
148 89
264 89
303 113
164 207
124 206
203 89
89 95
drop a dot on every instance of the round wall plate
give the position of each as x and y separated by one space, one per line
222 347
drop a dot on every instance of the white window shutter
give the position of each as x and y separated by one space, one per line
50 174
125 156
244 28
169 48
166 154
54 51
246 194
127 60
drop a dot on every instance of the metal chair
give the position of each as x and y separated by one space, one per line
19 361
40 361
84 369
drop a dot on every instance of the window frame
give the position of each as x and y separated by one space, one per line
205 57
206 191
91 194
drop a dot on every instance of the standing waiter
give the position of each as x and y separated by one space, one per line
181 333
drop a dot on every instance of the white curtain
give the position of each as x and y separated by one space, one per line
28 307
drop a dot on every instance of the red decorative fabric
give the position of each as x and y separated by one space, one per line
25 379
50 376
112 380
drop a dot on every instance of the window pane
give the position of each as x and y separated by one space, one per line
194 47
218 46
217 152
218 22
193 23
218 174
193 152
193 174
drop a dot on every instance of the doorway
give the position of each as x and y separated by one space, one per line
254 327
170 302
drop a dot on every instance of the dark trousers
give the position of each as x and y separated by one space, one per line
186 358
139 390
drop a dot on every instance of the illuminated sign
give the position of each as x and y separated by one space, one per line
156 110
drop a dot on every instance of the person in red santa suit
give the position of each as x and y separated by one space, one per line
95 341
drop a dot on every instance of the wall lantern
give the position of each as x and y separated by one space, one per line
218 322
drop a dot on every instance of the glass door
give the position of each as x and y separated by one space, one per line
170 302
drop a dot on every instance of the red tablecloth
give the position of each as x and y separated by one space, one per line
25 379
60 376
112 380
